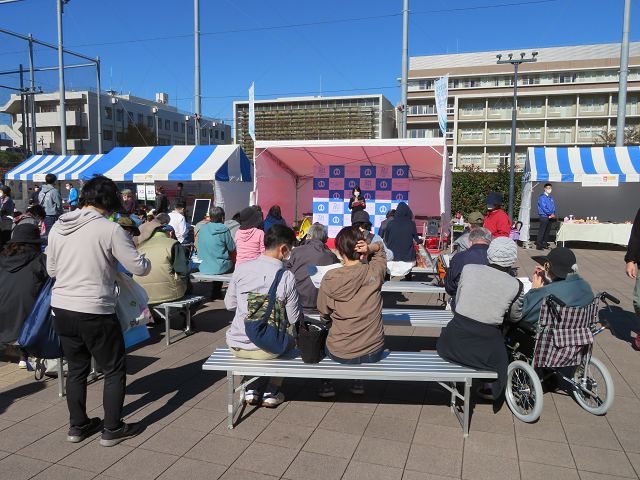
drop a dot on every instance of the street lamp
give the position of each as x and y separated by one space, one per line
186 129
515 62
155 122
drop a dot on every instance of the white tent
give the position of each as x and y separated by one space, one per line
284 171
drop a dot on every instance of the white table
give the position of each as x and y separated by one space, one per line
616 233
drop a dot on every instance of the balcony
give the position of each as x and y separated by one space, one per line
52 119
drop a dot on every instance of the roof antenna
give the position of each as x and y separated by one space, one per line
320 85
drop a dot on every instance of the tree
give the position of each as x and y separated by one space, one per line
8 161
608 139
137 135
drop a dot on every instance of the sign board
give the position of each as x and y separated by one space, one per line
141 190
151 192
143 178
200 209
39 177
600 180
441 89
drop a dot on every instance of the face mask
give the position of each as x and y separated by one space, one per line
548 191
356 194
68 188
490 206
287 257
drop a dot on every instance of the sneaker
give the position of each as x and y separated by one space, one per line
272 400
251 397
637 342
128 430
22 364
485 393
327 390
78 434
357 387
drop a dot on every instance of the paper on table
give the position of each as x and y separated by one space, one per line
526 283
317 273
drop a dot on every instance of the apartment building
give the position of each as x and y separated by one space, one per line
119 113
315 118
569 97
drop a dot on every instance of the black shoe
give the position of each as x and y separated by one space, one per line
485 393
78 434
538 247
128 430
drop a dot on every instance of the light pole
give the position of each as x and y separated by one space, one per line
198 98
514 112
186 129
155 122
63 112
624 72
405 68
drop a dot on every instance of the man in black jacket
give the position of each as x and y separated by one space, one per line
162 201
476 254
633 259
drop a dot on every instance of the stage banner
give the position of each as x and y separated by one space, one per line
383 188
441 89
252 114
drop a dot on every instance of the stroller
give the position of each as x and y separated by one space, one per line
563 338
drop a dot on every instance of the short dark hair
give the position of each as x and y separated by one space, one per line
346 241
69 183
236 217
365 225
391 213
180 184
50 179
37 211
275 212
216 214
100 192
181 205
547 185
279 235
256 208
6 190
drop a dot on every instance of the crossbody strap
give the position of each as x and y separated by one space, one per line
272 293
520 287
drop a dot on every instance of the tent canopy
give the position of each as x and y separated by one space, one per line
284 170
222 163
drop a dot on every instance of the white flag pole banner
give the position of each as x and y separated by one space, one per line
252 114
441 88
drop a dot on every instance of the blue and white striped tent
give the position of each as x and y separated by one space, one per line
573 165
223 163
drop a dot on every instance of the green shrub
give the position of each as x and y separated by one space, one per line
470 185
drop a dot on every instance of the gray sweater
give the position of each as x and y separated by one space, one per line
485 294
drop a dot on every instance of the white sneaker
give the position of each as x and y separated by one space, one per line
271 401
22 364
251 397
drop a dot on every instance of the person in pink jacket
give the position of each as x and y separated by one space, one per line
250 236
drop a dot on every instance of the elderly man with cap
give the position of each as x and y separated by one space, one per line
486 295
496 220
476 219
557 276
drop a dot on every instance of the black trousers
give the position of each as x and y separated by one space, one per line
84 335
543 232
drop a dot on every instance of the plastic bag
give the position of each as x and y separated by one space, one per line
37 336
131 305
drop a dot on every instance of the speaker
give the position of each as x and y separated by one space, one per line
432 228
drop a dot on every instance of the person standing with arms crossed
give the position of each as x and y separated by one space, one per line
632 258
547 212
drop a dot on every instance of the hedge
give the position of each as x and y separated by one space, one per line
470 185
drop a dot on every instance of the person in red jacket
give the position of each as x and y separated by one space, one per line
496 220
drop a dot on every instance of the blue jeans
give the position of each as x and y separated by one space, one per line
49 220
369 358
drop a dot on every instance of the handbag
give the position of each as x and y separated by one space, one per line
266 321
312 340
38 336
131 305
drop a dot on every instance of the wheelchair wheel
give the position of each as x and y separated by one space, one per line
524 391
598 381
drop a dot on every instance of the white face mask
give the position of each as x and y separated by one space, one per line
548 191
288 255
356 194
490 206
68 187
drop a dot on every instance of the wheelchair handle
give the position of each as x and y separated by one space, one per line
606 296
554 299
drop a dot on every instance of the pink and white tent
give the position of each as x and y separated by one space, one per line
284 171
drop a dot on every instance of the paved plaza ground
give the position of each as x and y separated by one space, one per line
395 431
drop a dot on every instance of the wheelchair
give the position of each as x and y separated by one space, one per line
563 338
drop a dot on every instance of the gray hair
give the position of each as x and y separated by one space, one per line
163 218
318 231
216 214
480 234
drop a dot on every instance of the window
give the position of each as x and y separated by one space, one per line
48 109
597 76
529 80
204 133
416 133
470 158
592 105
178 142
167 124
563 78
130 117
632 106
502 134
530 107
530 133
589 131
221 135
120 115
107 113
175 126
472 82
420 85
182 127
504 81
422 110
562 134
454 83
472 109
562 106
159 123
119 136
471 133
107 135
190 129
521 158
140 119
150 121
503 109
216 134
496 158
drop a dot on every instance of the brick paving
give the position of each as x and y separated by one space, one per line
395 431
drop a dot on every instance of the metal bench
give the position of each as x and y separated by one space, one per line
410 317
403 366
164 309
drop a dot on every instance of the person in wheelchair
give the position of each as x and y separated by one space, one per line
557 276
487 296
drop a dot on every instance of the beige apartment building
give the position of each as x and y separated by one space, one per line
567 98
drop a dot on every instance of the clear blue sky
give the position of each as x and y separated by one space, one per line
351 56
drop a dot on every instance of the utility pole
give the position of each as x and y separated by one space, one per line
405 67
25 145
624 72
100 147
32 98
514 114
63 109
196 8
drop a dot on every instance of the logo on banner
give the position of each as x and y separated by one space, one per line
321 208
352 184
399 197
321 183
336 171
322 171
383 184
400 172
368 172
336 196
336 220
383 209
384 170
367 196
441 89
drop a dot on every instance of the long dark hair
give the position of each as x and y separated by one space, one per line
11 249
275 212
354 191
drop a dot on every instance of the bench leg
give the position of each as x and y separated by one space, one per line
230 402
467 398
166 323
188 322
453 397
